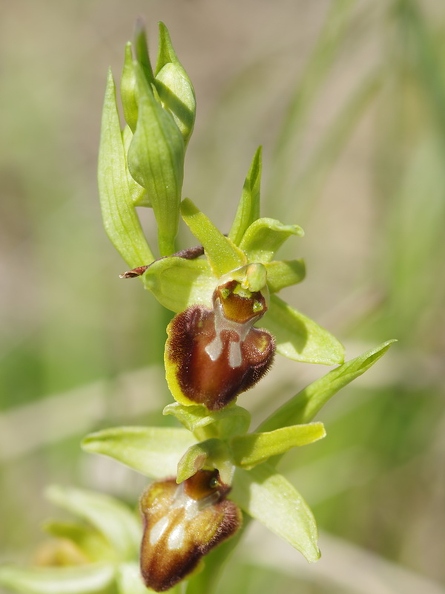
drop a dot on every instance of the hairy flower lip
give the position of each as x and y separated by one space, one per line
182 523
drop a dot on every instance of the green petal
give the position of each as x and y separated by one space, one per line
272 500
300 338
152 451
305 405
58 580
223 255
178 283
120 219
108 515
281 274
212 453
254 448
263 238
249 206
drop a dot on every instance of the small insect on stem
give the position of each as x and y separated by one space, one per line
188 254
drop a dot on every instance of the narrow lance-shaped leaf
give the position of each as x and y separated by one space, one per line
84 579
304 406
268 497
222 253
300 338
108 515
152 451
249 206
254 448
119 216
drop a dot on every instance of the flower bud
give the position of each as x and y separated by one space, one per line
211 356
182 523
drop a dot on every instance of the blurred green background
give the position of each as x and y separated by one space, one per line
348 100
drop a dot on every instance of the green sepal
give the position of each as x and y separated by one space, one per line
129 89
222 253
174 86
83 579
109 516
264 237
156 161
255 448
225 423
248 209
268 497
284 273
178 283
88 540
152 451
300 338
212 453
128 579
119 216
303 407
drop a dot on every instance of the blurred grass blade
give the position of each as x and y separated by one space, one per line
304 406
324 54
108 515
85 579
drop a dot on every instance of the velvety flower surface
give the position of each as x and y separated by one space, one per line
212 356
181 524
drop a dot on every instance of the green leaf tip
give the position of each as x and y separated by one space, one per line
303 407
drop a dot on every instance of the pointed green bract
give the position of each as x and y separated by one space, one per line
282 274
120 219
223 255
269 498
109 516
300 338
305 405
156 161
84 579
178 283
264 237
152 451
249 206
255 448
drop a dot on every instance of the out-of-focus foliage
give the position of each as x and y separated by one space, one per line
348 99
